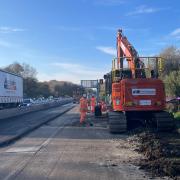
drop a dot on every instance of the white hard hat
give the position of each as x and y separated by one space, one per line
84 95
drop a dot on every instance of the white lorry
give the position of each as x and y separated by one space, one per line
11 89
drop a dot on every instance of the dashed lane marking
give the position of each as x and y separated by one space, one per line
23 149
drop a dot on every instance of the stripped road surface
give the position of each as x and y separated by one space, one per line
62 149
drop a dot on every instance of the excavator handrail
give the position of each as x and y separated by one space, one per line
158 57
145 60
147 66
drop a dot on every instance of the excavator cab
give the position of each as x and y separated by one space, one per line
144 67
119 73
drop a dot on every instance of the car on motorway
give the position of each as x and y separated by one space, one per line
26 103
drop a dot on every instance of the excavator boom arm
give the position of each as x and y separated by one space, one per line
125 49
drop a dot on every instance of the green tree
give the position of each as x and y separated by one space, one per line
57 90
171 70
43 90
30 86
172 83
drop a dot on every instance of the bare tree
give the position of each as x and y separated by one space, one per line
29 77
172 59
15 68
29 71
24 70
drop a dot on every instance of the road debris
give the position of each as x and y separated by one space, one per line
161 151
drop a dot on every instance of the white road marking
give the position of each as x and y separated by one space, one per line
23 149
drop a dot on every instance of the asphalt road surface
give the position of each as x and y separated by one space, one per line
15 127
64 150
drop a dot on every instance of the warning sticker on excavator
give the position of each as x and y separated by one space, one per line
143 92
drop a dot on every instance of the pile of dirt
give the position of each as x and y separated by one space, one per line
162 153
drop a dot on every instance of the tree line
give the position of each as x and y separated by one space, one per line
35 89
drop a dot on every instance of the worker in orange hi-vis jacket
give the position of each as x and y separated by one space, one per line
83 108
93 103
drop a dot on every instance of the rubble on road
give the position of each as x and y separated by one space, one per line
161 151
156 153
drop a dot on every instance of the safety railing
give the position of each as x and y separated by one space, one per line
145 67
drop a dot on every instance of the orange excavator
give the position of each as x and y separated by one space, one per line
134 90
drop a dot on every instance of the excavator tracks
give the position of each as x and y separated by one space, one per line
117 122
164 121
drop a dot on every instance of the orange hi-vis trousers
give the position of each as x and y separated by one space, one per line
83 109
92 108
93 104
83 116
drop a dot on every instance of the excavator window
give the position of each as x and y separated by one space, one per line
140 69
154 74
123 73
126 74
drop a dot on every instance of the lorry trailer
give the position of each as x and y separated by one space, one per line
11 89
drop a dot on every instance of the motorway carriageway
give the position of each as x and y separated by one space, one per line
63 149
14 128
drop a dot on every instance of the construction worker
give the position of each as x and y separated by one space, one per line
98 109
93 103
103 106
83 108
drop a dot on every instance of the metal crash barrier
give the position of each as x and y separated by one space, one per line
8 113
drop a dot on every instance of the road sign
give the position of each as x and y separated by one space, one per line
89 83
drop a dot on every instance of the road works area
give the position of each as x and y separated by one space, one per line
64 149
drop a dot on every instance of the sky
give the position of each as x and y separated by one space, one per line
72 40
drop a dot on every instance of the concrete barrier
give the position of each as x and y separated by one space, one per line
8 113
